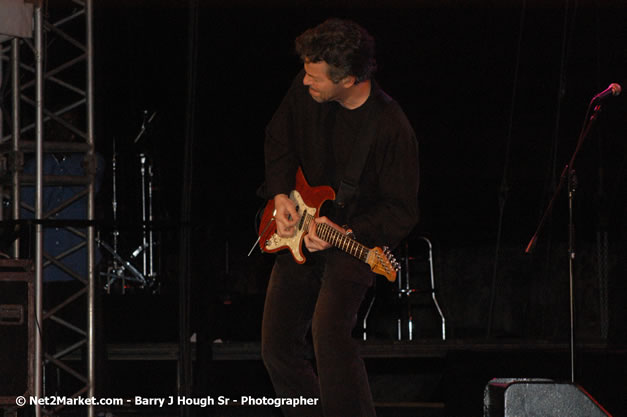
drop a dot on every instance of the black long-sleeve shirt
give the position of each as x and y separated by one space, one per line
321 137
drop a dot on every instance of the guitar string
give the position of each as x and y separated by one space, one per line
337 239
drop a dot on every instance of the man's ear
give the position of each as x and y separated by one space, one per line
348 81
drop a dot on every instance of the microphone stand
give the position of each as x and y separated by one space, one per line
145 123
568 177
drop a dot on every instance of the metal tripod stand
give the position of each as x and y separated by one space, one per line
119 268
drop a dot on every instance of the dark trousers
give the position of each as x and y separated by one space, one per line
319 296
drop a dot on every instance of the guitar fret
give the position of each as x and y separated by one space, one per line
340 241
364 253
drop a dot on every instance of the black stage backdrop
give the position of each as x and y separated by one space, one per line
497 95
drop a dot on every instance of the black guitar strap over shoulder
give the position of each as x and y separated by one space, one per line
349 186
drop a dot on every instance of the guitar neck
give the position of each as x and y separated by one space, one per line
341 241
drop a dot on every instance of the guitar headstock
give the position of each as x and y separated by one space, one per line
382 262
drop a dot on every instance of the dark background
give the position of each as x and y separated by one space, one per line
497 93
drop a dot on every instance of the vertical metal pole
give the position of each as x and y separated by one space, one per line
1 136
91 321
151 243
408 292
433 296
38 203
602 272
142 162
185 360
15 81
571 273
1 115
116 233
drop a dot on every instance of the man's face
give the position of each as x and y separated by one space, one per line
321 88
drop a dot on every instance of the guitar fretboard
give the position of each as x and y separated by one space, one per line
336 238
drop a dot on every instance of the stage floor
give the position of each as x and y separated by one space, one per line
417 378
421 378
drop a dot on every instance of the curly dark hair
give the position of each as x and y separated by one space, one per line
344 45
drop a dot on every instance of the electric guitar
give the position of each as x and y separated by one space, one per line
308 201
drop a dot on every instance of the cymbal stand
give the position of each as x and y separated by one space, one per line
148 242
119 268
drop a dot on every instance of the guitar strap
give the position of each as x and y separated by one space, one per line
349 186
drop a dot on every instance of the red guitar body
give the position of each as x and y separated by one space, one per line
308 201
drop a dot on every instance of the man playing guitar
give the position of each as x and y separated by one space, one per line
336 130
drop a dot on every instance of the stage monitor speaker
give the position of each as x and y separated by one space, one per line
17 313
505 397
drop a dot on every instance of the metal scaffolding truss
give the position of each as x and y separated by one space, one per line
47 115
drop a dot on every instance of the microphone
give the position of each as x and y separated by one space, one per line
614 89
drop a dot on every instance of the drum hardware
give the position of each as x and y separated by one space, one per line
120 268
145 124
